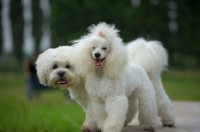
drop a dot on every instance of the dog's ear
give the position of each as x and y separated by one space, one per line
116 60
42 65
82 57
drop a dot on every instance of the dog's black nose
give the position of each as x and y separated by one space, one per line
61 74
97 55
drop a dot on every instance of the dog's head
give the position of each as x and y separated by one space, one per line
54 67
102 47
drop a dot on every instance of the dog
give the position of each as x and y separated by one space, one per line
55 68
153 57
77 91
113 82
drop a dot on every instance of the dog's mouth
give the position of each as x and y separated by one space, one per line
62 82
98 62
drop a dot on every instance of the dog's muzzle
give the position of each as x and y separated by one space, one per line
98 62
61 80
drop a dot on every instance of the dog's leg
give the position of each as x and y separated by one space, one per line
165 108
89 124
116 109
99 114
147 106
132 109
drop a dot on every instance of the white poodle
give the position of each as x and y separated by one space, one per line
154 59
55 68
113 82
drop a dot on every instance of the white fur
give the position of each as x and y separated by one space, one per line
113 86
61 57
153 57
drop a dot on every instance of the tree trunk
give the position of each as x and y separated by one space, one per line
17 28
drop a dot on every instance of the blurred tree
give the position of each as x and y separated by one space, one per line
17 27
71 18
175 23
37 23
189 28
1 43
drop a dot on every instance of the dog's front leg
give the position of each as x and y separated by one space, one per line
89 124
99 112
116 108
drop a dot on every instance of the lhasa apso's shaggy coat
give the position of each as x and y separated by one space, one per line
55 68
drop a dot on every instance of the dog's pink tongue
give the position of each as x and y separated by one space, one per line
97 62
62 82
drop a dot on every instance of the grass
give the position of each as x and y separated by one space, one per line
54 112
181 85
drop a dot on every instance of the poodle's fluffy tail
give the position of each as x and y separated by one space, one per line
151 55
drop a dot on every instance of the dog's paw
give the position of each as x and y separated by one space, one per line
168 123
152 129
126 123
111 129
86 130
98 130
89 129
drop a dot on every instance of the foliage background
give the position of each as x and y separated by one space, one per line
150 19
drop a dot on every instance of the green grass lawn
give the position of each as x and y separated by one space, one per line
181 85
54 112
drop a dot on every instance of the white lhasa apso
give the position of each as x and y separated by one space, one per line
55 68
113 82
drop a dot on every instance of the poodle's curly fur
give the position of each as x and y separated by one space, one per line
113 82
153 57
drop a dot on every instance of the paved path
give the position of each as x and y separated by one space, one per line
187 119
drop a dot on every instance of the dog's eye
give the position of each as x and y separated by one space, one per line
104 48
68 66
55 66
93 48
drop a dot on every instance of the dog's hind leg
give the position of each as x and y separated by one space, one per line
147 106
165 108
132 109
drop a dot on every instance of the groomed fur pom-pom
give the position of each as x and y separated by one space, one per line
104 30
